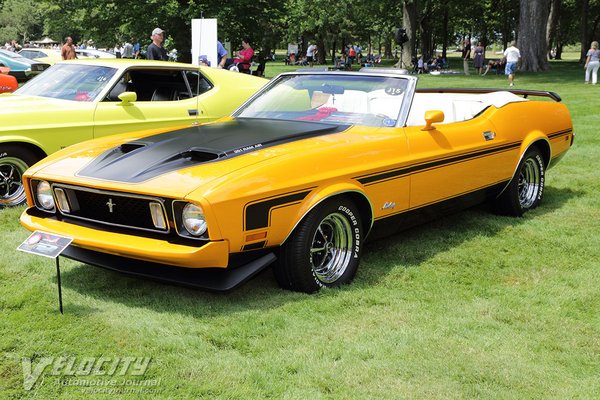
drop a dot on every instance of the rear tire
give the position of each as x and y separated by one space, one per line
14 160
526 188
324 249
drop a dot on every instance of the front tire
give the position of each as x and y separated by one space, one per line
13 163
526 188
324 249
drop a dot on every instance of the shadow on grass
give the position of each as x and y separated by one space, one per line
381 256
413 247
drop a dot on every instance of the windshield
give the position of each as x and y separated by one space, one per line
10 54
69 82
345 99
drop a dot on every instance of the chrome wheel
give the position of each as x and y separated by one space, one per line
526 188
11 187
324 249
529 186
331 248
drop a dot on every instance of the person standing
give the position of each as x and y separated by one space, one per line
478 60
592 63
512 55
466 55
127 50
221 55
68 50
155 50
136 48
351 54
310 53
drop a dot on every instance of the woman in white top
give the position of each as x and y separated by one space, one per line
592 63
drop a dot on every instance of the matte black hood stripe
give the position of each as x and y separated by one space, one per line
152 156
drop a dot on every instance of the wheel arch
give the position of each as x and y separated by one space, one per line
356 195
33 148
539 142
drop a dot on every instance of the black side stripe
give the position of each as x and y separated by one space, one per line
257 215
395 173
561 133
501 182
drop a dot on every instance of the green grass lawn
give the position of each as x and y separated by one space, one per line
470 306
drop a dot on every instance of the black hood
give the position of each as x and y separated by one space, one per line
151 156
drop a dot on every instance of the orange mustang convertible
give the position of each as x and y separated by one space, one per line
297 177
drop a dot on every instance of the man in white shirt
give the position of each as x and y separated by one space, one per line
311 53
512 55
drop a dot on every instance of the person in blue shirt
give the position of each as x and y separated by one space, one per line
221 54
136 48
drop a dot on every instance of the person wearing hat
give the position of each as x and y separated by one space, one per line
156 51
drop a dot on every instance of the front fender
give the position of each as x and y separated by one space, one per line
17 139
324 193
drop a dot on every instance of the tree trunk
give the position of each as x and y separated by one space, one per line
585 10
445 33
426 39
552 25
409 22
387 48
532 35
321 50
559 50
333 50
595 27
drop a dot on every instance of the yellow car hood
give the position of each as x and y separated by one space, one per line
173 163
28 111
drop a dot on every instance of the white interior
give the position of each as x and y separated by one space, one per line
377 102
456 106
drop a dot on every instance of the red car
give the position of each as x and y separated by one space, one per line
8 83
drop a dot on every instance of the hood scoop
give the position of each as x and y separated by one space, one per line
131 146
138 161
200 155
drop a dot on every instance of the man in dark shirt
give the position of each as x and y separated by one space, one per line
155 51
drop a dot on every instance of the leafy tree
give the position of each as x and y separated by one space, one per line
19 19
261 20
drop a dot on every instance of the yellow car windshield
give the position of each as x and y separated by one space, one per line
69 82
342 99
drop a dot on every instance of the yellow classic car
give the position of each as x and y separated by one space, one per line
79 100
297 177
48 56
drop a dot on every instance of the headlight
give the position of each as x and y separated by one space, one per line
193 219
44 195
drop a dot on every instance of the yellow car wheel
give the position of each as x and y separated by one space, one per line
525 190
13 163
324 249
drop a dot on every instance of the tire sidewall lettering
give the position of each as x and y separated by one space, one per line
540 161
356 235
357 231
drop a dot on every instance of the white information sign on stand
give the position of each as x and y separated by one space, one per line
204 41
45 244
51 246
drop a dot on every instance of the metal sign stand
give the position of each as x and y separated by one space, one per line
51 246
60 306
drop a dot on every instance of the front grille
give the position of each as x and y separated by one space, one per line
39 67
112 208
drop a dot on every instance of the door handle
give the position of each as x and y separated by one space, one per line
192 113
